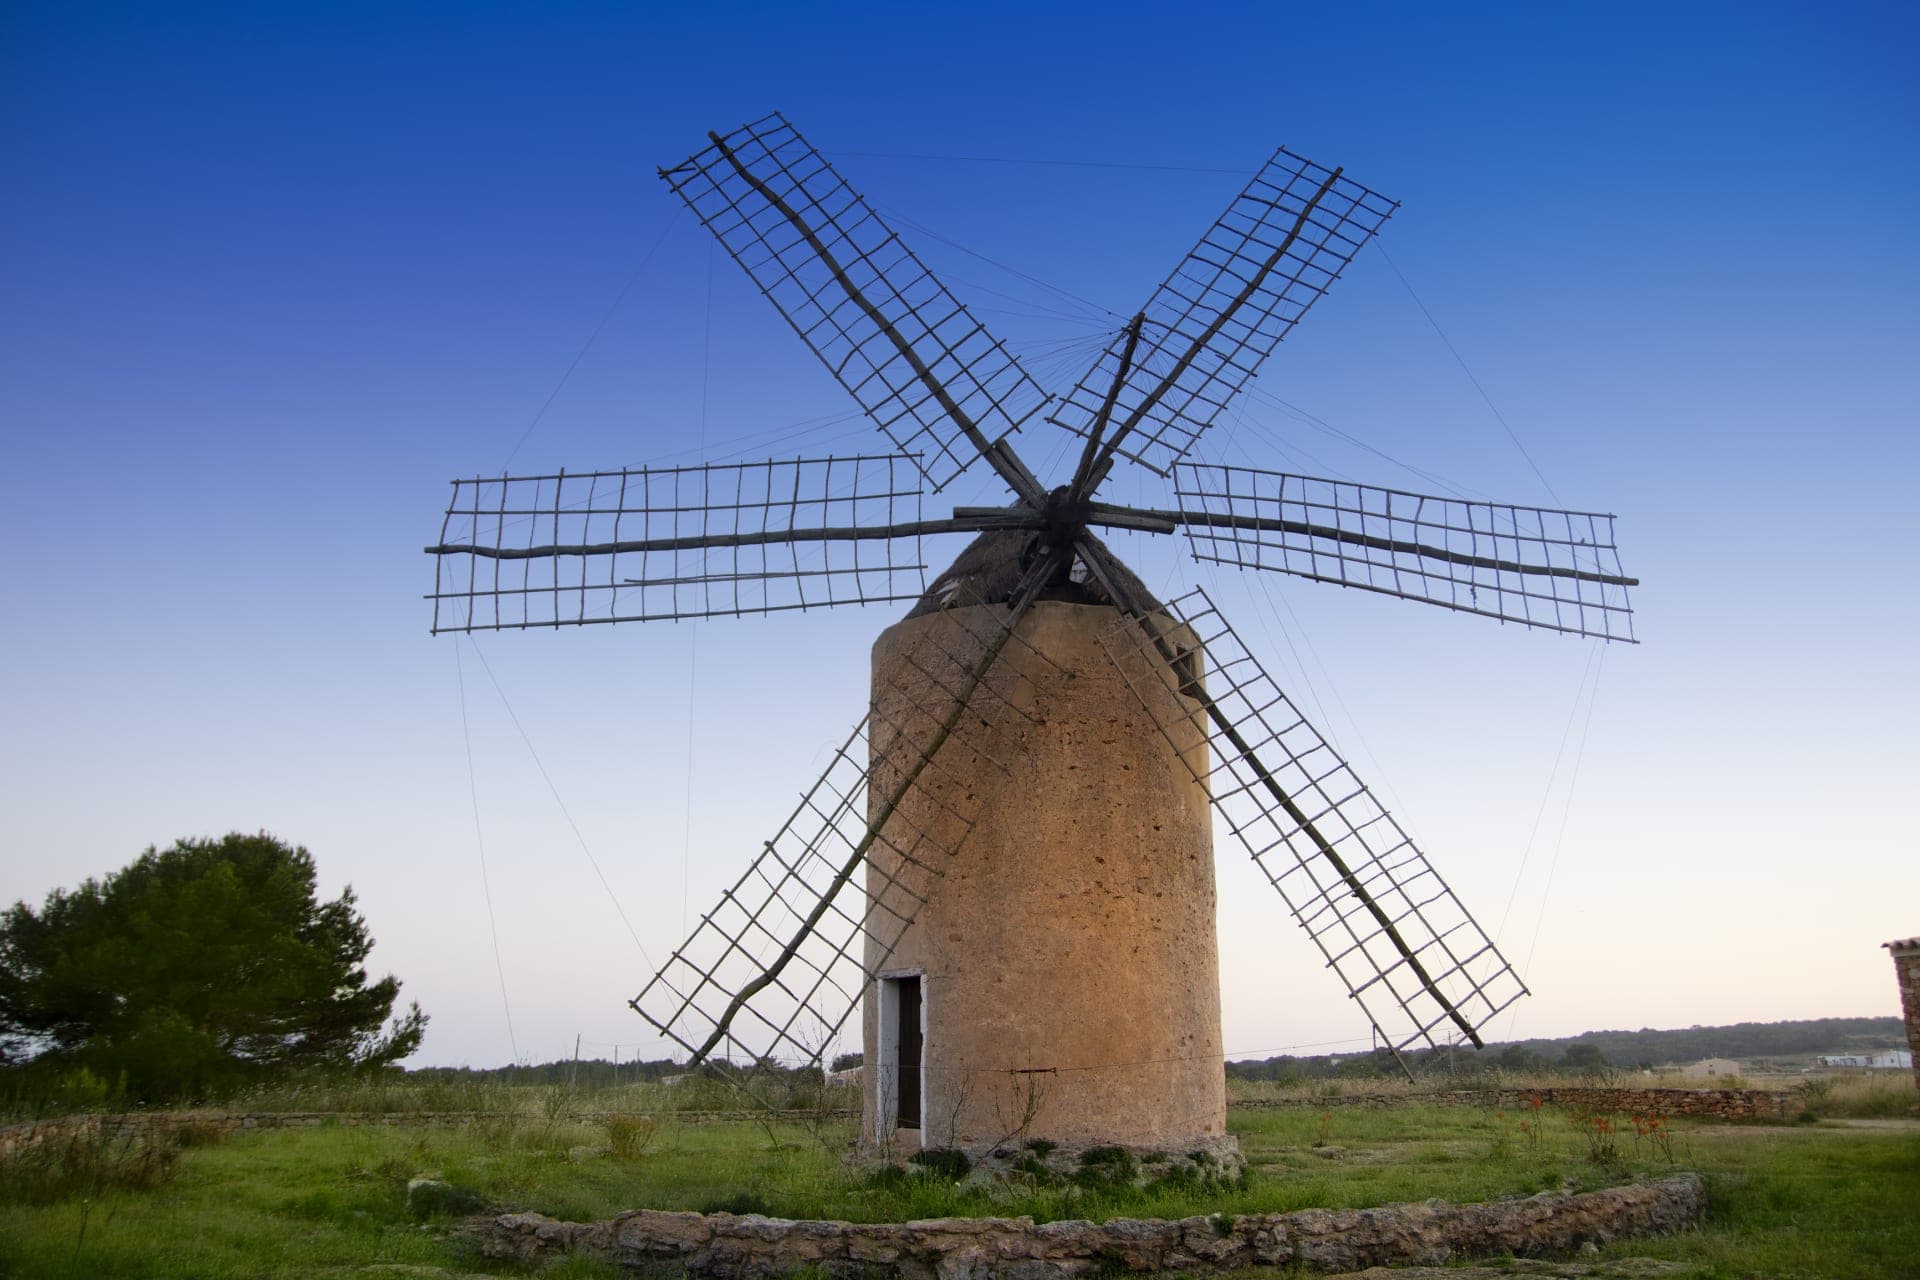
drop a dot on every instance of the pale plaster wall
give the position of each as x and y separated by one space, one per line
1075 928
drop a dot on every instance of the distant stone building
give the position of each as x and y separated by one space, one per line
1712 1068
1906 969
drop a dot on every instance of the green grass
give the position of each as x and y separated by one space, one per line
1823 1199
1810 1200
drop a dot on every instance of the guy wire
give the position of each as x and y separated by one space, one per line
1461 361
480 842
693 624
1573 778
564 811
580 355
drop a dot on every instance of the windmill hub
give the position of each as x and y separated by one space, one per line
1065 515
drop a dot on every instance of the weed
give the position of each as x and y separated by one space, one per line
85 1161
1814 1093
943 1161
1602 1147
1180 1177
1879 1095
1041 1147
1654 1133
1037 1170
1501 1148
741 1202
628 1135
888 1177
198 1131
433 1198
1107 1166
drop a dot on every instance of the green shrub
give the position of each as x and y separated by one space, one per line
1105 1166
432 1198
628 1135
944 1161
742 1202
197 1131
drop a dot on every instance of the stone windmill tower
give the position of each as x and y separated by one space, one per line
1007 866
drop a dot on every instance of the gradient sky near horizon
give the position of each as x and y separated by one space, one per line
271 275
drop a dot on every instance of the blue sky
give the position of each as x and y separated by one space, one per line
270 277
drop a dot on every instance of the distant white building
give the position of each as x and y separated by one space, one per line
1879 1060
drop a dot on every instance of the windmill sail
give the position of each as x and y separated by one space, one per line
1557 570
1279 246
927 372
777 966
1406 949
678 542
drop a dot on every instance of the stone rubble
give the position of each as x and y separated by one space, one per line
752 1247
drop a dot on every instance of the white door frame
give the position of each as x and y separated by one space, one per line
887 1070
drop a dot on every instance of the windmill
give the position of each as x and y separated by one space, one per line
1007 865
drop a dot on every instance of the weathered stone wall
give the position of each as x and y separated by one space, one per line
1718 1104
1906 971
753 1247
1068 962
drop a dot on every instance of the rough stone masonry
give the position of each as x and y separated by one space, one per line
1906 969
751 1247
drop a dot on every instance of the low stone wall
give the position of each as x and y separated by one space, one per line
1719 1104
752 1247
16 1136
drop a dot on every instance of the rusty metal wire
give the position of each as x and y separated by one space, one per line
1408 952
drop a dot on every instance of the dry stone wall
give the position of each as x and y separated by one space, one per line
752 1247
1718 1104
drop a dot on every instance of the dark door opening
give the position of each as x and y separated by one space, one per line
906 1035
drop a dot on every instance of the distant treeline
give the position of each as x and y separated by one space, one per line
1788 1043
588 1073
1593 1050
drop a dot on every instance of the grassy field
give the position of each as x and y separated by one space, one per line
1840 1197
